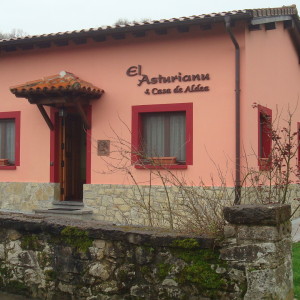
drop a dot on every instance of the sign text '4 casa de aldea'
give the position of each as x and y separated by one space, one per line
178 78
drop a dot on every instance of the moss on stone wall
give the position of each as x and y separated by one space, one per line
146 270
43 259
163 270
31 242
186 244
76 238
50 275
114 264
201 263
5 272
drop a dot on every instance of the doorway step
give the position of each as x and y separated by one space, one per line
69 209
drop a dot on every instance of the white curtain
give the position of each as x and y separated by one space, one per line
164 134
177 136
153 135
7 140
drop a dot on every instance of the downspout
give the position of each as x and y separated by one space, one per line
237 199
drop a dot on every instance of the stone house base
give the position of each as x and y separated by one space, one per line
121 203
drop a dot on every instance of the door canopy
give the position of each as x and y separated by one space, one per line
62 90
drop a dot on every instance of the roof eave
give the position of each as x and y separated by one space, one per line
121 30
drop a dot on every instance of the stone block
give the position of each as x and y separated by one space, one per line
143 255
140 290
118 201
2 252
67 288
13 235
285 229
28 259
17 272
109 287
247 253
26 196
258 233
99 244
31 276
169 282
126 274
114 250
284 248
229 231
268 283
14 249
102 211
269 214
237 274
96 253
124 208
100 270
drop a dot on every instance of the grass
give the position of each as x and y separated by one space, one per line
296 269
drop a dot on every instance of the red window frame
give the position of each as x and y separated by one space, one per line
264 138
298 141
16 115
137 112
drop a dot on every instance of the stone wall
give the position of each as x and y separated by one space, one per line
125 204
258 242
129 204
52 258
27 196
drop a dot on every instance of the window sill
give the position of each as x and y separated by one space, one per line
8 167
162 167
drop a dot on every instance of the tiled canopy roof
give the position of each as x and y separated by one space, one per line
136 27
64 83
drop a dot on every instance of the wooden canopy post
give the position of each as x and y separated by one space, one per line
45 116
82 114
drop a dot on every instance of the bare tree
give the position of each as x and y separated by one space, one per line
197 207
183 205
15 33
122 21
278 177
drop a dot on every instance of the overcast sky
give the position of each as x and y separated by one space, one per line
49 16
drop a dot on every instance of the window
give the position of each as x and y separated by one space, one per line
9 140
163 134
264 137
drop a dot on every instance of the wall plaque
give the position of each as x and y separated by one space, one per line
103 147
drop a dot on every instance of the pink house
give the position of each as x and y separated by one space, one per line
79 109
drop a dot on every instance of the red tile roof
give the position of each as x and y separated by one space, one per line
133 25
62 83
147 25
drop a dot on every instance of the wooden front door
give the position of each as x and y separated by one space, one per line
72 155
